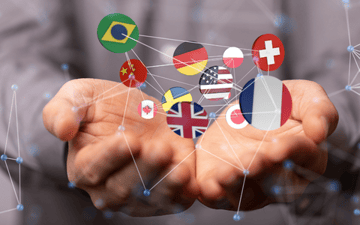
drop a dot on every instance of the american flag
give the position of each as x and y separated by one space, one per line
187 119
216 83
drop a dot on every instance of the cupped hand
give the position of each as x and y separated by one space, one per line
226 153
87 113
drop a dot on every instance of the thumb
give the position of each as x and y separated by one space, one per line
63 114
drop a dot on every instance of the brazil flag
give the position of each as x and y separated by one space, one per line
118 33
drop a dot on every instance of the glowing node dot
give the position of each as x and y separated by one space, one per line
71 185
131 77
65 67
236 217
19 160
259 75
350 48
212 115
4 157
20 207
348 88
198 146
74 109
288 164
143 86
355 199
357 212
14 87
246 172
121 127
147 192
276 190
99 203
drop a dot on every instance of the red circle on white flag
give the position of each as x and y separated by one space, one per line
234 117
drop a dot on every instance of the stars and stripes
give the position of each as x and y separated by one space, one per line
216 83
187 119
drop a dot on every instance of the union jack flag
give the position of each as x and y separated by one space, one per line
187 119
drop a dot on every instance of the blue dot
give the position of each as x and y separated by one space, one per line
333 186
147 192
4 157
355 199
236 217
19 160
143 85
14 87
346 1
119 32
20 207
212 115
350 48
348 88
65 67
288 164
71 185
259 75
108 214
357 212
276 190
246 172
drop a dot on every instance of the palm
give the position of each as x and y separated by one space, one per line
102 106
261 152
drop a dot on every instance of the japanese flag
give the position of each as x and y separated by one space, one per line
147 109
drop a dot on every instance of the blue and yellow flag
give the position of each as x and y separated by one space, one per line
175 95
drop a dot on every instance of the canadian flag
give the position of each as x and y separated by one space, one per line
147 109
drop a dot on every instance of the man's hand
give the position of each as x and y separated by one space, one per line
313 119
87 113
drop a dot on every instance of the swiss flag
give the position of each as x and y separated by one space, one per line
268 52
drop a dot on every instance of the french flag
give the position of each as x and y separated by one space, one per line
266 103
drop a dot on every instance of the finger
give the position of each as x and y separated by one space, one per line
301 150
312 106
96 162
62 115
152 159
181 182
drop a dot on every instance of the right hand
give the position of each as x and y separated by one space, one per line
99 160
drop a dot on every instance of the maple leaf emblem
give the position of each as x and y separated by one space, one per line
147 109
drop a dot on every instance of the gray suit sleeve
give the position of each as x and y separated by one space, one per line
317 51
35 40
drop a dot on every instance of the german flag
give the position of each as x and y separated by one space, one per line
190 58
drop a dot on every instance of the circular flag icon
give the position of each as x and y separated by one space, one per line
233 57
268 52
118 33
216 83
175 95
147 109
234 117
190 58
266 103
187 119
133 73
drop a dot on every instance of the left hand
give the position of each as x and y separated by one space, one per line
312 120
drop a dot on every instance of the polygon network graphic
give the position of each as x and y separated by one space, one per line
263 105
